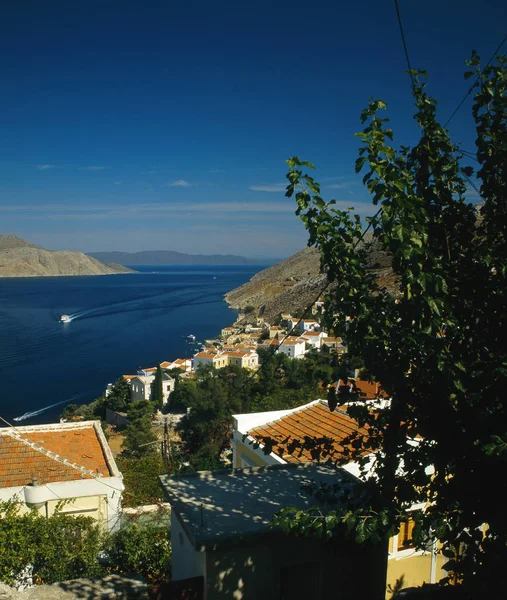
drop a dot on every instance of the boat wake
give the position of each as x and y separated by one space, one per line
35 413
107 311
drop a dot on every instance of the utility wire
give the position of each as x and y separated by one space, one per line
473 84
472 185
400 23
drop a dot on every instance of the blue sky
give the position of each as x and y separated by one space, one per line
162 125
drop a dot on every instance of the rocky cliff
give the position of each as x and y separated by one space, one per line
293 284
19 258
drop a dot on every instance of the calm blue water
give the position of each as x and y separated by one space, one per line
120 322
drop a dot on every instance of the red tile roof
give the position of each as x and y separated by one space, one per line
205 355
314 421
21 462
291 340
368 390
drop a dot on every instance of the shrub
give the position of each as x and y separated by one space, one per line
145 550
59 547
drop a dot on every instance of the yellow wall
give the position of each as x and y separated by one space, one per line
247 450
415 570
88 506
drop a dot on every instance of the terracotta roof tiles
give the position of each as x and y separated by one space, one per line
20 463
313 421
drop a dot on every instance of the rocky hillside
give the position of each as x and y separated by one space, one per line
293 284
19 258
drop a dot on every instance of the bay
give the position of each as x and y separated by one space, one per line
119 323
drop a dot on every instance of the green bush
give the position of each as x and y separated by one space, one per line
144 550
60 547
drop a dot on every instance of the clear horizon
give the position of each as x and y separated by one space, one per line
167 126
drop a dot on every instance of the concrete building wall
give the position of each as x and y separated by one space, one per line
186 560
274 566
140 389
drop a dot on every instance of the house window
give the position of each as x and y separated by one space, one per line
405 536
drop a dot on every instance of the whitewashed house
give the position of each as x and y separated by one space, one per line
305 325
314 339
292 347
41 465
141 387
184 364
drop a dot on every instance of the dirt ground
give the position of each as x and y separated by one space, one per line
115 440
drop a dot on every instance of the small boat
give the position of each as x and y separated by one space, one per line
65 319
191 338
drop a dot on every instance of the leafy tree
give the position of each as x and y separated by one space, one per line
205 430
119 397
438 343
158 393
140 477
88 412
139 437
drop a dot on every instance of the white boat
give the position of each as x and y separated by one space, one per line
65 319
191 338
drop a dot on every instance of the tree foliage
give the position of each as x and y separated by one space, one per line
145 550
158 391
64 547
438 344
60 547
214 395
139 437
118 398
140 477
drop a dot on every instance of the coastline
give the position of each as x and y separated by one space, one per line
123 323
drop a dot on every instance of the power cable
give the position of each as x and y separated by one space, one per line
472 185
404 45
473 84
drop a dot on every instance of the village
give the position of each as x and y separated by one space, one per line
73 461
238 345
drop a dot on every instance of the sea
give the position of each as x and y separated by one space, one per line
118 324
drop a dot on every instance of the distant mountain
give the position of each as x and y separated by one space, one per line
168 257
19 258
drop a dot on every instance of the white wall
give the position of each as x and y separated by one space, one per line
186 561
109 488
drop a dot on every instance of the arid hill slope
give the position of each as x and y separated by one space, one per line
294 283
19 258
